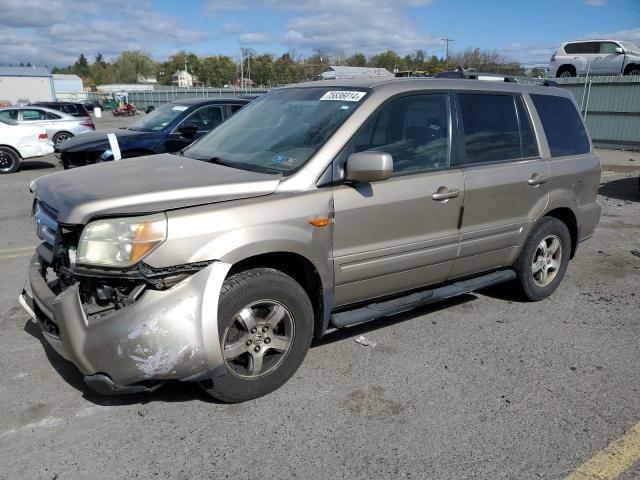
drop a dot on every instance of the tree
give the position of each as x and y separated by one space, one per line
81 67
99 60
356 60
262 69
217 71
389 60
130 64
487 61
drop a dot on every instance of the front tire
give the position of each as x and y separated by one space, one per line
565 72
9 160
544 259
265 324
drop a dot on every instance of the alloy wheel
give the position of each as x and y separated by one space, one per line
258 339
61 137
546 260
6 161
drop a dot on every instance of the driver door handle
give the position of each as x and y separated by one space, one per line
445 195
537 180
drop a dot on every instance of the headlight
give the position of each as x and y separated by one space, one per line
121 242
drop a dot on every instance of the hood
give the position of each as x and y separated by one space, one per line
144 185
98 140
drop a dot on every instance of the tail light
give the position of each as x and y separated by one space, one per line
42 136
89 124
553 57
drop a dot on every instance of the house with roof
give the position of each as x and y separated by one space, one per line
26 84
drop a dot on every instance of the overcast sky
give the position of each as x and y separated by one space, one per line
55 32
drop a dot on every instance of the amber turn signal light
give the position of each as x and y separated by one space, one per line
320 222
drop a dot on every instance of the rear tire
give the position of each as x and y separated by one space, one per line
265 325
61 137
9 160
543 260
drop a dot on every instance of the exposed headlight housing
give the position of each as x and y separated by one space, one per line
121 242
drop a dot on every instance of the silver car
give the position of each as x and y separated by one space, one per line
595 57
59 126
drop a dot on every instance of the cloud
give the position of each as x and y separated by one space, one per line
530 56
61 30
254 38
632 36
595 3
232 27
367 26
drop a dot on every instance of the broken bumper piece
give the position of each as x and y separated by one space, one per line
168 334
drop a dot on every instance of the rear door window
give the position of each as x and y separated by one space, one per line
490 125
33 115
562 125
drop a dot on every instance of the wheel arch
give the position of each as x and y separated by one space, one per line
63 131
566 216
303 271
631 66
566 66
13 149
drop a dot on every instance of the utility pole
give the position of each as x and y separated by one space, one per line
448 40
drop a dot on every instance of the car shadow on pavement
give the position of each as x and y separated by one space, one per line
35 165
627 189
172 391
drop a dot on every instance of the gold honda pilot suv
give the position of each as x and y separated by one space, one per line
317 206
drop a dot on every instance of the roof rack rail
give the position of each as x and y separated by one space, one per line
494 77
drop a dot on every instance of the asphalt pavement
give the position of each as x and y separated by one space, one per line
482 386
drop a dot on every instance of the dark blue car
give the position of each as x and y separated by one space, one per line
169 128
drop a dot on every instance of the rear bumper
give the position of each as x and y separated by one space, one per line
170 334
35 150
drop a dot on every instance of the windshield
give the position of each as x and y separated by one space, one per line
159 118
279 131
630 47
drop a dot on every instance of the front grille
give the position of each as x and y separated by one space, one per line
46 223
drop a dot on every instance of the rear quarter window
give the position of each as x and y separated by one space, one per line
562 125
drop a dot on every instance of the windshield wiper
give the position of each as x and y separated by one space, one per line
242 166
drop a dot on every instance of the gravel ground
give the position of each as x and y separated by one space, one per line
481 386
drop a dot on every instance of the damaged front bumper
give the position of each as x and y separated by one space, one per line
168 334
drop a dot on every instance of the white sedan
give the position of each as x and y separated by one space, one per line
19 142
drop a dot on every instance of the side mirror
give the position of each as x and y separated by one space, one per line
619 50
369 167
188 130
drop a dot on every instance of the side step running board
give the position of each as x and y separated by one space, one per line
414 300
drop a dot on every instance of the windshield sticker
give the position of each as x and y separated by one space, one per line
179 108
343 95
283 160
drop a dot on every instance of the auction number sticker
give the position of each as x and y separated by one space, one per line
179 108
344 95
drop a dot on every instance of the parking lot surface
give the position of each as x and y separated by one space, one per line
481 386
